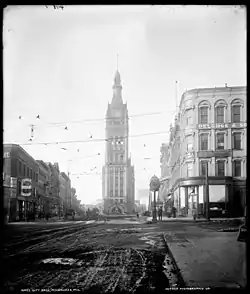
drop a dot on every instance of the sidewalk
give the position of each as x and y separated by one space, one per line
190 219
210 260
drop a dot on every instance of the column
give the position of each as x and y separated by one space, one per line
186 201
119 182
113 177
25 210
229 139
197 200
212 140
212 166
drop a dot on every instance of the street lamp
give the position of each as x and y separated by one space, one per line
154 186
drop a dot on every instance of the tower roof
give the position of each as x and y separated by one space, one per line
117 79
117 89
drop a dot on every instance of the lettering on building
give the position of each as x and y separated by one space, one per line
222 125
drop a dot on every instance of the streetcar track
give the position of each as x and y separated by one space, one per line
94 265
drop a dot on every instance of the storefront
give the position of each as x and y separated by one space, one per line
226 197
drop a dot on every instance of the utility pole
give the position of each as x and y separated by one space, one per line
154 212
207 192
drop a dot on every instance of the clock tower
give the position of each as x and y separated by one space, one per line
117 172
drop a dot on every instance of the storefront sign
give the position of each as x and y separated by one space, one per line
26 187
222 126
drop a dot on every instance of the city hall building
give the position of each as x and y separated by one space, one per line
209 133
118 186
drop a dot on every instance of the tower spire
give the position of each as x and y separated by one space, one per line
117 59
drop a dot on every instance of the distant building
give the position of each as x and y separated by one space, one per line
209 132
56 204
142 195
44 180
65 190
118 180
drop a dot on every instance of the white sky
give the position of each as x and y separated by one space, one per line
60 64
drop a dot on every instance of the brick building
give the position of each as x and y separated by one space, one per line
18 166
56 204
44 183
209 132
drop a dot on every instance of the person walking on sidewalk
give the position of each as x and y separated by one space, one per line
174 212
160 214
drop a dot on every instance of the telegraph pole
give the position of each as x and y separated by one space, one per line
207 193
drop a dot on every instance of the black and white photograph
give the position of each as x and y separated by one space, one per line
124 148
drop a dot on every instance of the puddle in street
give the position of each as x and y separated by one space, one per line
59 260
148 239
170 271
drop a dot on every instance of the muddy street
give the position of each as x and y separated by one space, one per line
105 258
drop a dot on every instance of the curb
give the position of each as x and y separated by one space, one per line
181 282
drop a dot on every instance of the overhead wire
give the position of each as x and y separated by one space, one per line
94 140
59 124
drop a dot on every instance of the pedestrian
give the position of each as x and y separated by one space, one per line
137 215
194 213
174 212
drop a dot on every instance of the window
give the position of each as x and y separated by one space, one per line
237 168
237 141
203 168
111 193
220 168
121 201
189 169
219 118
28 171
189 143
236 113
30 175
204 142
220 141
203 117
20 167
24 170
189 147
36 177
189 120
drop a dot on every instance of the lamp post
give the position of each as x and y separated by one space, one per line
154 186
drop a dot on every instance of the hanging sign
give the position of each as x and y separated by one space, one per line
26 187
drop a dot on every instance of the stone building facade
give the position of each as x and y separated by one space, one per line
209 133
117 173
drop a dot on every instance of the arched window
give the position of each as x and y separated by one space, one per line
220 107
204 112
236 110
